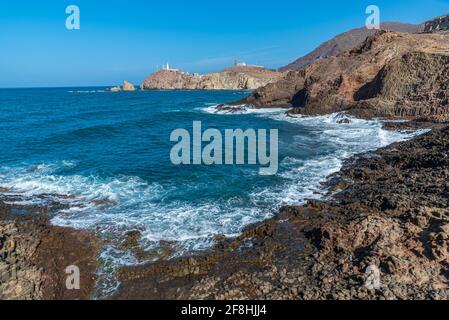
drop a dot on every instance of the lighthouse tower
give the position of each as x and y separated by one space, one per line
166 67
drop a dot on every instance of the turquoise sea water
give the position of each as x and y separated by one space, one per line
106 158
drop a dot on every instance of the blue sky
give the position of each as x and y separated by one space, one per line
129 39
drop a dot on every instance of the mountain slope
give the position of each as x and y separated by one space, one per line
345 42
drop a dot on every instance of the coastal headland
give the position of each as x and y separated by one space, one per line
239 77
384 210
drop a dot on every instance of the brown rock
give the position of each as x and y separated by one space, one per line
345 42
236 78
35 254
128 86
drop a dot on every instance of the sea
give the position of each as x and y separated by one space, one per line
101 161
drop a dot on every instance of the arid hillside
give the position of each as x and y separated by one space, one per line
236 78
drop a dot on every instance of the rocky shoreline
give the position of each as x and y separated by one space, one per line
386 209
390 75
235 78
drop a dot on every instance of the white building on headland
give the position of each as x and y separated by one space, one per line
166 67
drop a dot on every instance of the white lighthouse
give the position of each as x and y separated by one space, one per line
166 67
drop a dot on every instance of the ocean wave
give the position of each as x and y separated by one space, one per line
305 177
239 110
127 202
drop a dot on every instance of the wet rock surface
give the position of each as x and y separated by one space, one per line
386 210
34 256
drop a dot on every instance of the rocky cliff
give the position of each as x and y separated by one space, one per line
127 86
390 74
236 78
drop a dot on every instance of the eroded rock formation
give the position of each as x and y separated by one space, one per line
390 75
127 86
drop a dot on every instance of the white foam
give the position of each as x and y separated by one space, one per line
305 177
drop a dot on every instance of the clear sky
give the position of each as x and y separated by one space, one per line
129 39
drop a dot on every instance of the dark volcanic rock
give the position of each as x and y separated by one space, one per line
438 24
